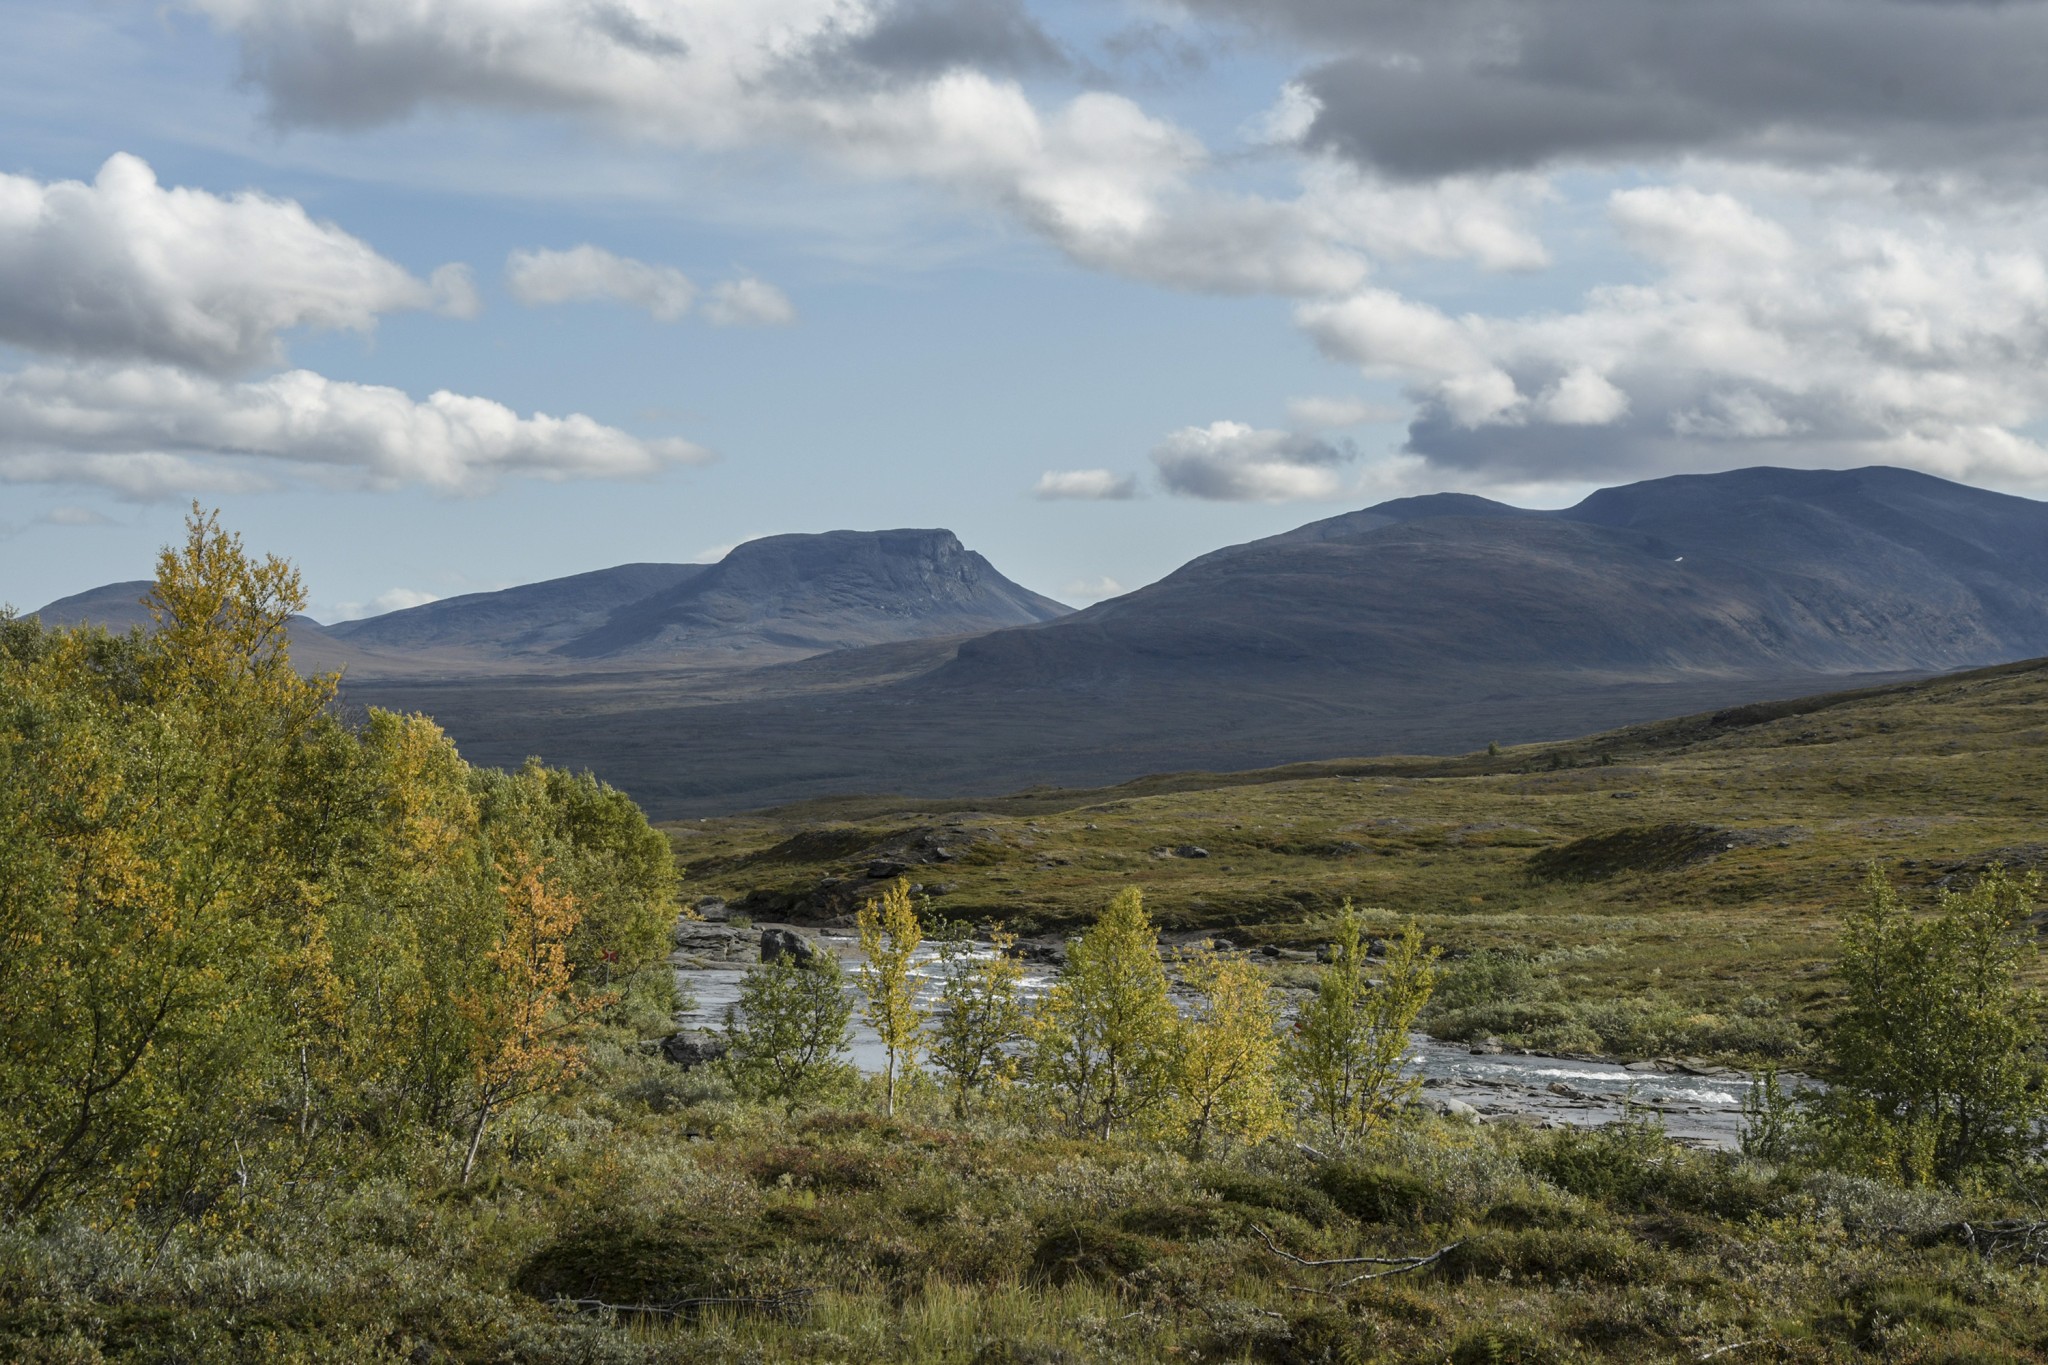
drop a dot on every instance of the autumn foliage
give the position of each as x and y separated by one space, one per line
244 940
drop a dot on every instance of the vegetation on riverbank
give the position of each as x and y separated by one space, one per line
318 1045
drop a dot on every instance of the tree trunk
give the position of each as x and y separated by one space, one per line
891 1109
476 1140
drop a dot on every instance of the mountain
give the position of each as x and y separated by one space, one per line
768 601
806 594
1427 625
533 618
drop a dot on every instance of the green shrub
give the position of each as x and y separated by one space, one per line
1379 1194
1500 1345
623 1261
1070 1249
1275 1193
1550 1255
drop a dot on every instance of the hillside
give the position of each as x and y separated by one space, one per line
1680 865
774 600
1426 625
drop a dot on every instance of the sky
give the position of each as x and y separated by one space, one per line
439 296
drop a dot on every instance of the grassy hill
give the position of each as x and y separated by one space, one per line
1687 863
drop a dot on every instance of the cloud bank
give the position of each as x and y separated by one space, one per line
153 300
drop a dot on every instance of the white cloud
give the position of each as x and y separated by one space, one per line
151 431
748 302
124 268
1856 339
588 272
392 599
1093 589
1111 185
1331 414
1232 462
75 516
1085 485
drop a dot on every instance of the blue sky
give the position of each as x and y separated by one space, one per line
1100 287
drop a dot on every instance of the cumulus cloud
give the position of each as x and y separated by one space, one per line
587 272
1751 342
922 90
1458 86
1093 589
1232 462
748 302
1085 485
152 431
392 599
124 268
1331 414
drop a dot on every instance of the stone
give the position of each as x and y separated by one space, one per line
1488 1047
689 1049
1191 851
1456 1110
711 908
882 869
777 944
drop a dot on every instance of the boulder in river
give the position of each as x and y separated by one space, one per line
777 944
1455 1110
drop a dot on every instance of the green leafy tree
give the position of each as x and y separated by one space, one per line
1930 1054
1226 1071
979 1017
889 940
787 1034
1107 1031
1348 1042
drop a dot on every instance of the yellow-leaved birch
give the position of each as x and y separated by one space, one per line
1226 1077
889 938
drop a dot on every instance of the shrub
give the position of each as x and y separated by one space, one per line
1378 1194
1280 1194
1560 1255
1071 1249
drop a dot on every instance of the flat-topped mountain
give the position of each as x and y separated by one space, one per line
804 594
773 600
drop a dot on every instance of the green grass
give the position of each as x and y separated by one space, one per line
1685 866
841 1236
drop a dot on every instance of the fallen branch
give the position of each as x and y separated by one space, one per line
787 1301
1430 1259
1401 1264
2026 1239
1731 1346
1285 1254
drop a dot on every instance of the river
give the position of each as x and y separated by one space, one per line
1699 1109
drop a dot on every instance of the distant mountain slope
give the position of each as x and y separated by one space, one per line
805 594
1395 629
768 601
534 617
1751 573
117 606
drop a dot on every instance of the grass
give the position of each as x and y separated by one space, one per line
1685 866
994 1241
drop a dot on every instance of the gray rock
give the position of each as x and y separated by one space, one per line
777 944
689 1050
711 908
1448 1108
1488 1047
695 936
882 869
1191 851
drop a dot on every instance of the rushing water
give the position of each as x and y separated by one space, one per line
1704 1110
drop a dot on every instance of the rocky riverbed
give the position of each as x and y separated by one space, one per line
1696 1102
